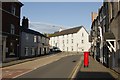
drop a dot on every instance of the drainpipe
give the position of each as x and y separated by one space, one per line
101 45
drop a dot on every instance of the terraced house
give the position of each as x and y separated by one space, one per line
10 30
32 43
71 40
105 35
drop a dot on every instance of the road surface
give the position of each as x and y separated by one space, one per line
59 69
55 66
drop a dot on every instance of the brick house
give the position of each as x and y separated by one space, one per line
10 30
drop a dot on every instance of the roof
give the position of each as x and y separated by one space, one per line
108 35
31 32
67 31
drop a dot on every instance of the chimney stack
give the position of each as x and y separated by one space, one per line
94 15
25 22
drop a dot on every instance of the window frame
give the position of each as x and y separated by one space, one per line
26 51
35 38
82 41
12 29
13 9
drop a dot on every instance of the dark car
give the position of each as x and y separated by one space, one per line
56 49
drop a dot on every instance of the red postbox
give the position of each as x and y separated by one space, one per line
86 59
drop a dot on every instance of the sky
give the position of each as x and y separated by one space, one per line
65 14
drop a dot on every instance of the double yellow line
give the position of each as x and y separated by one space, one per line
76 69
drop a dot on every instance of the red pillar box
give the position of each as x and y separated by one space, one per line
86 59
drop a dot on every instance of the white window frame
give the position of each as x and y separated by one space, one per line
35 38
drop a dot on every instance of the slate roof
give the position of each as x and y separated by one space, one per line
67 31
31 32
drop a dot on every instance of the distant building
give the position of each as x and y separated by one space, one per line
32 43
71 40
10 30
94 15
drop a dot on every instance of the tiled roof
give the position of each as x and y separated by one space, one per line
67 31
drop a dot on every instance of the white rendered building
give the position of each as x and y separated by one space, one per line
71 40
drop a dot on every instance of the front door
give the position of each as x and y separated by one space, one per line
3 49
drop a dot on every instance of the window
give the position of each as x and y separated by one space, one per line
13 9
35 38
33 51
26 51
113 9
12 29
119 5
39 39
72 40
67 41
77 45
27 36
11 44
63 41
72 48
82 34
119 44
82 49
67 48
82 41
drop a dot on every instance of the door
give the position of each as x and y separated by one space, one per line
3 56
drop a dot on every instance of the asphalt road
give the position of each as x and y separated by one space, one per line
58 69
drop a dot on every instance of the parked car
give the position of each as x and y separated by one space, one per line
55 49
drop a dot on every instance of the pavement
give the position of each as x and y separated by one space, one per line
21 61
96 71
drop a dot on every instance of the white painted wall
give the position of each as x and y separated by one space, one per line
61 41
